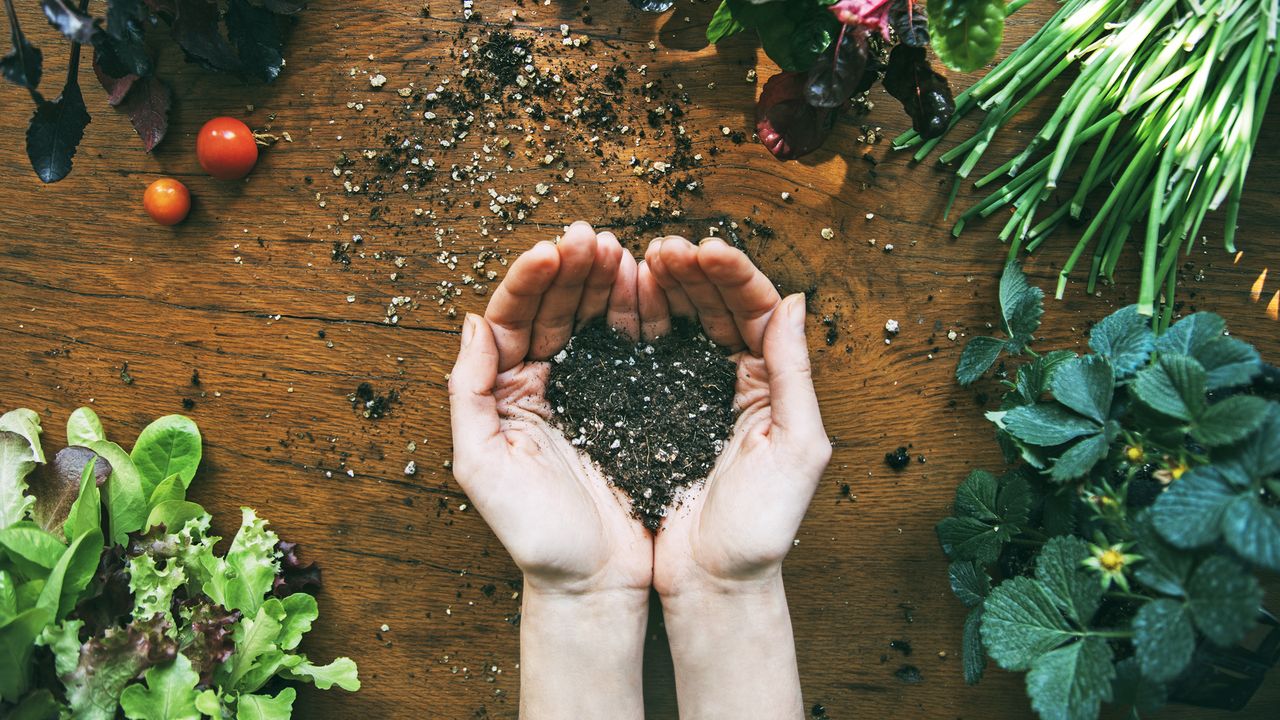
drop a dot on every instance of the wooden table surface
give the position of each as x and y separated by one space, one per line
248 294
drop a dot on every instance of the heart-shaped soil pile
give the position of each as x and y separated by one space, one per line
653 416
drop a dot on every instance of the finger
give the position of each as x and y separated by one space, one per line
515 303
747 293
793 403
477 434
676 299
624 313
655 315
553 324
600 281
680 258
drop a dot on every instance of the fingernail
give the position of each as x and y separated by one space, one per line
797 311
711 239
468 329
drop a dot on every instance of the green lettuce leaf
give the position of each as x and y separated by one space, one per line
84 427
153 586
341 672
265 707
170 693
168 446
126 503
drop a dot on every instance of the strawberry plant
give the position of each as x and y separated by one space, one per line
242 37
113 600
1118 560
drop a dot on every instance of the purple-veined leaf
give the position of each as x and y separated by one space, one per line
116 87
910 22
196 28
147 105
786 124
838 73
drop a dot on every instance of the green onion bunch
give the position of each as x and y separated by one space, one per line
1166 105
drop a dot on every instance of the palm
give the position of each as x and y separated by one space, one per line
566 523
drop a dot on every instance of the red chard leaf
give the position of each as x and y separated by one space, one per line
55 131
147 105
909 22
838 73
786 124
924 94
870 15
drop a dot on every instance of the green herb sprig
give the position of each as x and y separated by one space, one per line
1118 560
1166 106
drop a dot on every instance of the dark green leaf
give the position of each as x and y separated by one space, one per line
1073 589
1190 333
1132 689
1223 600
27 541
976 496
1034 377
37 705
55 131
22 65
969 582
1259 454
1058 514
1085 385
1164 568
1047 424
792 34
966 33
1021 622
967 538
1189 513
978 355
1253 530
1072 682
1013 500
722 24
1229 362
17 644
973 655
1079 459
1229 420
1174 386
1125 338
1163 639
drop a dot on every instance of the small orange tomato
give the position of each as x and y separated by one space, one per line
226 149
167 201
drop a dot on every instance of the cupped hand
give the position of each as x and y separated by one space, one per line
563 524
737 527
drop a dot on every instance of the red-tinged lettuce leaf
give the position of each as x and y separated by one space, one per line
77 26
256 35
56 485
108 601
653 6
112 660
196 28
283 7
207 638
22 65
910 22
870 15
924 94
55 131
147 105
839 72
294 576
785 123
116 87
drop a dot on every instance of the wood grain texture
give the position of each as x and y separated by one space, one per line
244 290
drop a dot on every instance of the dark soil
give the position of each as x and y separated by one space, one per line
653 417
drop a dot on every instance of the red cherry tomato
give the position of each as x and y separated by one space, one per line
167 201
226 148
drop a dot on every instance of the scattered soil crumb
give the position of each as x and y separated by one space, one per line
370 403
653 417
897 459
909 674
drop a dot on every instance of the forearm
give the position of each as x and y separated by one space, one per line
581 654
734 652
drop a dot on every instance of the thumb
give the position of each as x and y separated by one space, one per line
472 407
793 402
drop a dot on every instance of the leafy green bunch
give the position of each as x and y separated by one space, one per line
113 600
1118 560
